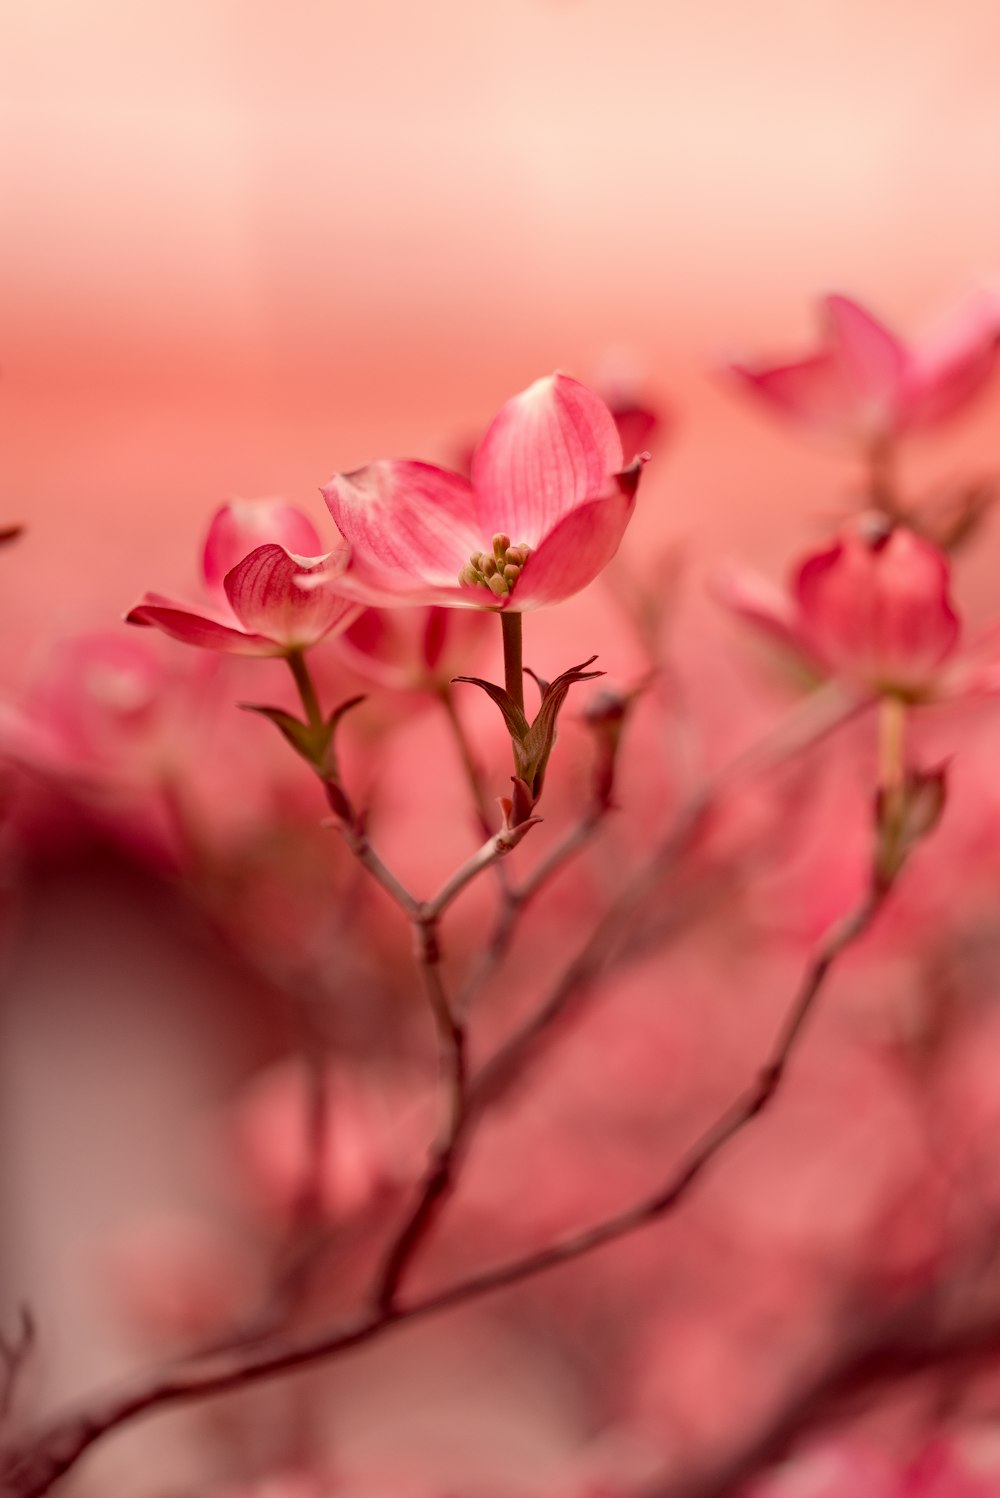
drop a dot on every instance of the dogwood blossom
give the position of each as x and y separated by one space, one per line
269 613
866 386
543 514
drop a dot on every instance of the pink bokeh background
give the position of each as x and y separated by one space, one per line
246 247
248 244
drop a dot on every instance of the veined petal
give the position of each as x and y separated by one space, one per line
410 526
191 628
872 359
264 593
579 547
948 370
240 526
550 449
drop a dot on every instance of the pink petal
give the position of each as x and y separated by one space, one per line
949 370
879 612
182 623
411 528
851 388
872 360
579 547
264 593
812 392
244 524
760 603
549 450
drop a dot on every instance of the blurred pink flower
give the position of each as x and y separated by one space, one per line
962 1466
177 1278
298 1484
838 1470
866 386
270 614
544 513
410 654
107 712
872 607
241 525
371 1139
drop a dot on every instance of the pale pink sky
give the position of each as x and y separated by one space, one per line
247 243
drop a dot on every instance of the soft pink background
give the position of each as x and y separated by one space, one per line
247 244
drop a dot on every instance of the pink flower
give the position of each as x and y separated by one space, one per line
108 713
177 1278
872 607
877 609
241 525
544 512
412 654
866 386
269 613
375 1130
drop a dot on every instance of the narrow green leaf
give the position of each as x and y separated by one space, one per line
310 742
517 723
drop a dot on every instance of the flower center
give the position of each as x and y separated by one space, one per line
498 570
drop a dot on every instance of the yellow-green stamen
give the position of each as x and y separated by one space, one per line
497 569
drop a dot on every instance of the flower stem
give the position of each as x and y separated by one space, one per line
513 666
891 728
307 689
882 483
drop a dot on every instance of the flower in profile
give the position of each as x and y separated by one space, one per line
269 612
543 514
241 525
872 608
866 386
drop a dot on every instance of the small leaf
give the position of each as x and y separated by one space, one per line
517 807
327 766
312 743
541 736
539 681
517 723
904 821
333 721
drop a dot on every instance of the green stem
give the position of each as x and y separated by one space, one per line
307 691
513 666
891 761
882 485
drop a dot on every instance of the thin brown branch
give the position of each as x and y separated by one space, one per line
516 899
939 1329
819 716
31 1470
355 836
497 846
470 765
14 1354
439 1177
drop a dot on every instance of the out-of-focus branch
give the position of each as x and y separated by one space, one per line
30 1470
470 765
951 1326
14 1354
822 713
516 899
439 1176
424 917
